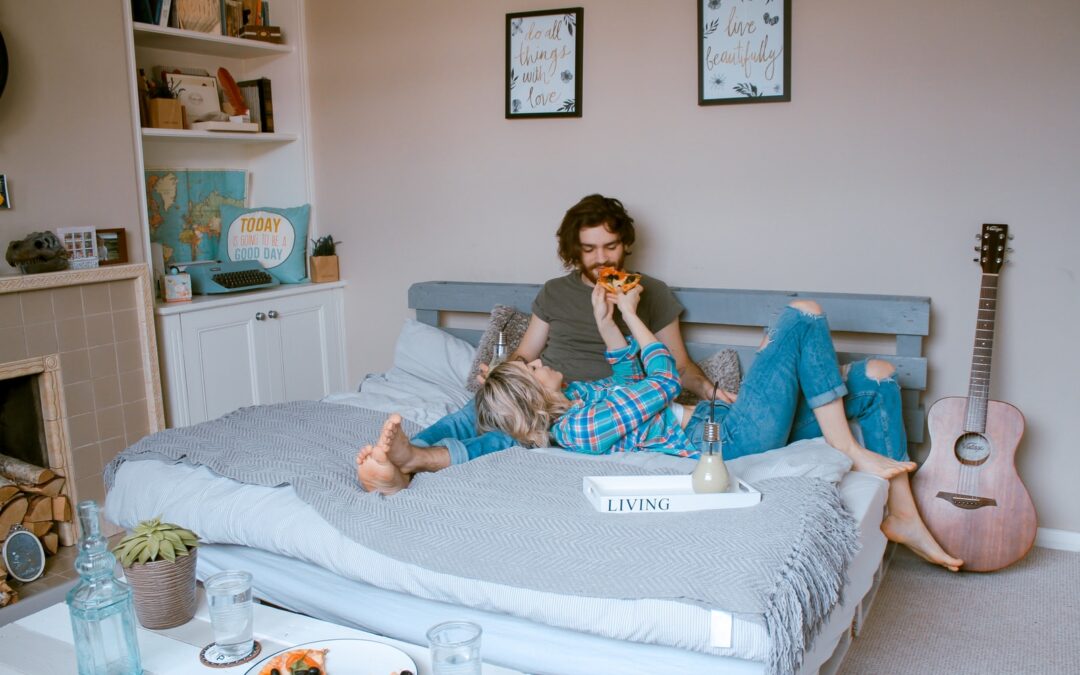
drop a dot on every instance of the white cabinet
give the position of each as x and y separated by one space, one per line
220 353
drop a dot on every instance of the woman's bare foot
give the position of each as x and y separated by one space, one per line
879 465
912 532
377 473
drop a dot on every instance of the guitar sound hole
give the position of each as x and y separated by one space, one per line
972 449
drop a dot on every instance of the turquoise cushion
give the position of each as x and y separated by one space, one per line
275 237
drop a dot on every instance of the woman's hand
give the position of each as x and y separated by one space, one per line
628 301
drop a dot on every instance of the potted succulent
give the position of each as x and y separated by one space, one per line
164 104
159 563
324 260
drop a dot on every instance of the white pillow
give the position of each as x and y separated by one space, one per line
433 355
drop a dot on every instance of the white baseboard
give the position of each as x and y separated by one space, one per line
1063 540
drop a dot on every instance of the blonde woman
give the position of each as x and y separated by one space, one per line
794 390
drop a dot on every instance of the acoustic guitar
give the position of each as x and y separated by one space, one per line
968 491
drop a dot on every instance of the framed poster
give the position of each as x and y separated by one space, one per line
744 51
543 63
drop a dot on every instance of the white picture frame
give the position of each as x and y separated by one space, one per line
198 94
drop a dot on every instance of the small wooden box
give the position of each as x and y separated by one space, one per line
166 113
264 33
324 268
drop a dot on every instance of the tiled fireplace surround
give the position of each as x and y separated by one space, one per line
98 326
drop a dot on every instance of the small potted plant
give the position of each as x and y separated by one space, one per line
159 563
324 260
164 104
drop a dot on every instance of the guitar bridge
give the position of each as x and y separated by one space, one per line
966 501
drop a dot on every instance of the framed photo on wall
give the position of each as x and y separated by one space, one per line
112 246
744 51
543 63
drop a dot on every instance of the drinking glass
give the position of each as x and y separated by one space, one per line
228 595
455 648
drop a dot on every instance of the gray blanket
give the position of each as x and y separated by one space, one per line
520 518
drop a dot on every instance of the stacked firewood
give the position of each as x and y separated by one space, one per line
34 497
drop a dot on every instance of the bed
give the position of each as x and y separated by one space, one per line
303 562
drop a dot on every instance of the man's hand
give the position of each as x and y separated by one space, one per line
603 306
694 381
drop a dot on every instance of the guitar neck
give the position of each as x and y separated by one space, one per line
979 383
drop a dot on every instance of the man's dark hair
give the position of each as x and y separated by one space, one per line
589 212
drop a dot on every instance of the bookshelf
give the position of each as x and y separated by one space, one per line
286 343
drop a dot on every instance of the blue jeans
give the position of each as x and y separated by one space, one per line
795 372
457 433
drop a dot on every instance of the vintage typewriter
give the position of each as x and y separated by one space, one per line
226 276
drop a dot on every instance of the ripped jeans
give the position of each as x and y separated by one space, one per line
795 372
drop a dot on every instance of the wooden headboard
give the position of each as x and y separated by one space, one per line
905 318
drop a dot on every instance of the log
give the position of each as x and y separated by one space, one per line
12 514
39 528
61 508
23 472
40 509
67 533
50 541
8 489
7 595
51 488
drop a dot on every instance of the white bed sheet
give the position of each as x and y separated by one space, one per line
328 585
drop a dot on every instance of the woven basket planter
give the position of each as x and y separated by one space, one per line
164 591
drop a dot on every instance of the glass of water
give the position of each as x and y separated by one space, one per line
228 595
455 648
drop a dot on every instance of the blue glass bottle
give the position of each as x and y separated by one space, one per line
102 613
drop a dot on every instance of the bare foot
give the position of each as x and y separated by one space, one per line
879 465
911 532
377 473
399 450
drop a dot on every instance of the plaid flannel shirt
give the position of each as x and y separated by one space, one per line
629 411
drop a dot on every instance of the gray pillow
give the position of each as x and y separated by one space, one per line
512 323
722 367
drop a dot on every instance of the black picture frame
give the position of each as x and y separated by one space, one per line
537 45
741 45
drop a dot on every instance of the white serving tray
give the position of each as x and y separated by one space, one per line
662 494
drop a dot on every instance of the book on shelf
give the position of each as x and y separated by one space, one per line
260 102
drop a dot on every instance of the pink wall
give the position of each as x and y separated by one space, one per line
910 125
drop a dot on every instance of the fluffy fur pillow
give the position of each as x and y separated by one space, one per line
722 367
512 323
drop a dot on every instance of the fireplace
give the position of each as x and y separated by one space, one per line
79 382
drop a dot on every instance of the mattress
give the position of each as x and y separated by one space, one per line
303 563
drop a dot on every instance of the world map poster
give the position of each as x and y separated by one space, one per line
184 209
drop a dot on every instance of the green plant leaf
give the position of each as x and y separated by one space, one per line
166 551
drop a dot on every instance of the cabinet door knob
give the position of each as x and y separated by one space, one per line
259 316
273 314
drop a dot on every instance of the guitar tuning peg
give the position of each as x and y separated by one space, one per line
978 237
974 260
976 249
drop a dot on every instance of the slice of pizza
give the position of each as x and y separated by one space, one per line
615 280
296 661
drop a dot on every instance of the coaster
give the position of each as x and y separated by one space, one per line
210 656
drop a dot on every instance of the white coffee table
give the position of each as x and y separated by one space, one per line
42 643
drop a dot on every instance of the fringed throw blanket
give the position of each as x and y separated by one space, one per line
519 518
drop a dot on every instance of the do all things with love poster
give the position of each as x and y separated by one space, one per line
543 63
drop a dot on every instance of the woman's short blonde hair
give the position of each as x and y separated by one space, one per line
512 401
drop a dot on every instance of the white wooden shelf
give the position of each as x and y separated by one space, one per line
151 134
175 39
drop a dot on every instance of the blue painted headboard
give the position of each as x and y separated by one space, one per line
905 318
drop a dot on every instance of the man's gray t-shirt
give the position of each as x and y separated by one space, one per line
574 345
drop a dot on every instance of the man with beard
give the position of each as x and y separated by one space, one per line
596 232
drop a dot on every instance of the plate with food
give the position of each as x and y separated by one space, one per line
345 656
615 279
